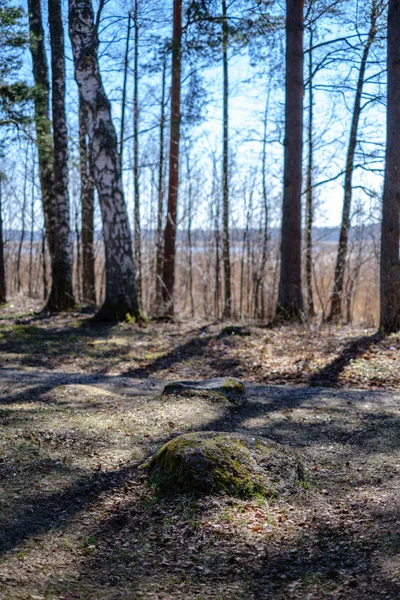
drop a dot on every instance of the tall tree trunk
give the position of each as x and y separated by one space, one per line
124 86
259 279
120 295
189 230
61 294
337 291
225 169
137 239
22 236
44 263
160 208
170 228
3 284
290 298
32 233
87 213
309 181
42 117
390 233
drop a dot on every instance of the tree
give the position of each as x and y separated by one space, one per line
335 314
160 197
61 295
87 212
290 298
170 228
136 171
42 117
3 284
225 167
120 294
13 94
390 229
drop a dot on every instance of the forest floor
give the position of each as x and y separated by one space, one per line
80 409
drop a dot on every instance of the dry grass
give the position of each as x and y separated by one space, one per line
361 302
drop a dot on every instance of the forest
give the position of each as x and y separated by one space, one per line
199 299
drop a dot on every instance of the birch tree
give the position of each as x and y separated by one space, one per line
120 292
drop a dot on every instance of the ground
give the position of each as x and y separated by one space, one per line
81 408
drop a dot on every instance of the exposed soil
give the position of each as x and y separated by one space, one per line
80 409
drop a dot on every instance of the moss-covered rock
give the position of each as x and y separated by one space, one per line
216 463
212 389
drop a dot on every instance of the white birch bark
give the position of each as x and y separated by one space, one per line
120 296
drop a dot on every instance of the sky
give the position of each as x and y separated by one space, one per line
250 86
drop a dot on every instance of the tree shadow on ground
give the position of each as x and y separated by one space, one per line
40 514
170 548
330 374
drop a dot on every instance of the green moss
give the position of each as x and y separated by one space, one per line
234 385
218 463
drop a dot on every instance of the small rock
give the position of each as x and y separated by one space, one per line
227 387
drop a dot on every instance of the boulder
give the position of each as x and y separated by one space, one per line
224 463
213 389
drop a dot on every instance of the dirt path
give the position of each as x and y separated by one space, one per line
78 520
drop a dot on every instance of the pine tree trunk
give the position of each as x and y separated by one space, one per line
390 233
309 183
225 170
290 298
160 208
42 117
170 228
61 294
120 295
87 214
337 291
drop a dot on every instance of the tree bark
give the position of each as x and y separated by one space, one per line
42 117
61 294
390 232
290 298
120 294
259 277
137 231
335 313
225 170
160 208
22 236
170 228
87 213
309 182
3 283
